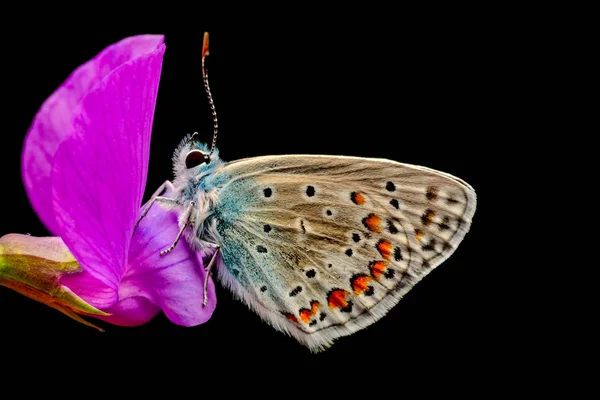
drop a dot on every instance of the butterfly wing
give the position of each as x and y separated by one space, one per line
323 246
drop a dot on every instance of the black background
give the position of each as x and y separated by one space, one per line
418 90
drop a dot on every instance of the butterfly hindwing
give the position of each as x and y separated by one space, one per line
322 246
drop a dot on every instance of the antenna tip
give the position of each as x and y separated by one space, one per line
205 45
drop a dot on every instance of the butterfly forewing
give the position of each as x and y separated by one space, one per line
322 246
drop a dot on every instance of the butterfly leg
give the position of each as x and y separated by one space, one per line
155 197
186 219
208 268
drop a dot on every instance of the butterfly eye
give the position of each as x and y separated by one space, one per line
195 158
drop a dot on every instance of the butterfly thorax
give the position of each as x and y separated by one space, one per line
202 218
197 185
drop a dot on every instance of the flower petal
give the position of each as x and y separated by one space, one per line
174 281
90 289
131 311
33 267
99 173
53 122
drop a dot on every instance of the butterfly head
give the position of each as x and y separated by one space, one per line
192 160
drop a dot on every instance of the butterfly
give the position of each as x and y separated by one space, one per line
318 246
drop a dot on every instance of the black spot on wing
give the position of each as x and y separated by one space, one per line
261 249
429 246
389 273
268 192
296 290
348 308
432 193
398 254
444 225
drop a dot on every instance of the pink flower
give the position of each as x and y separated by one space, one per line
84 165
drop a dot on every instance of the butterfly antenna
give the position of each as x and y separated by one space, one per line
208 94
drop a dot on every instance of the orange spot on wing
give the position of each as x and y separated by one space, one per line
418 234
385 248
377 268
337 299
314 305
291 317
427 217
357 198
306 314
373 223
359 283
